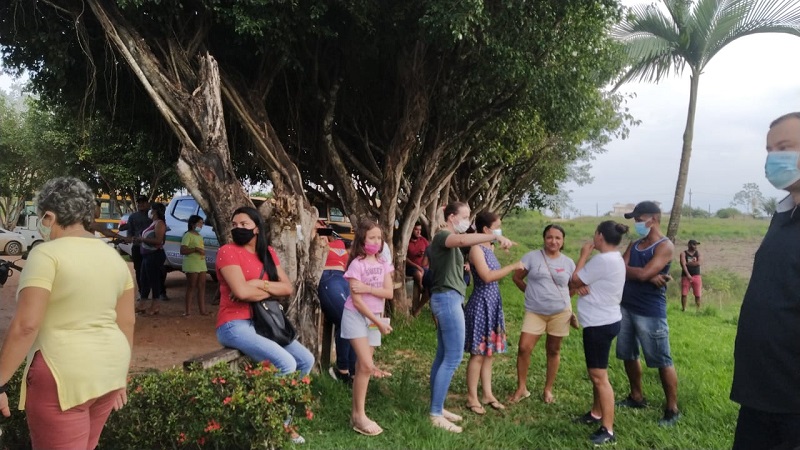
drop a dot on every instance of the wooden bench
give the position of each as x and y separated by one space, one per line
231 356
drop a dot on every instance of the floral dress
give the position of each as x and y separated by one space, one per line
483 315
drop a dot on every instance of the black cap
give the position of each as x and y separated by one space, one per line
142 199
693 242
646 207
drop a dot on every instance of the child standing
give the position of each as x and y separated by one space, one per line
370 278
194 265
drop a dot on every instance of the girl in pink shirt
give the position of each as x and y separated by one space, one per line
370 279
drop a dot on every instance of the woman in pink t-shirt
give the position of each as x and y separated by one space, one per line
370 278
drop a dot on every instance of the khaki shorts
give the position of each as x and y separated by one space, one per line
554 324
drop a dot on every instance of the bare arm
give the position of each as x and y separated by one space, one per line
575 281
101 228
361 306
696 262
21 334
661 257
519 278
126 316
468 240
478 260
684 265
255 290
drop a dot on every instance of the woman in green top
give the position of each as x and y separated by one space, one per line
447 298
194 264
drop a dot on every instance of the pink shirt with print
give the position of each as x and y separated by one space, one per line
371 273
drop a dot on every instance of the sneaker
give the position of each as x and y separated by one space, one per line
587 419
339 376
629 402
670 418
602 437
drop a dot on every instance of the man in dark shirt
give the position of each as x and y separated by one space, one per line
690 274
766 368
138 222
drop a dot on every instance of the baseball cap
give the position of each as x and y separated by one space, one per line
142 199
645 207
693 242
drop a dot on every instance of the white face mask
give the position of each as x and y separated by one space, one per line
462 226
150 214
497 232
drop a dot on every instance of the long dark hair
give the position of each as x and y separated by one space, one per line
360 237
262 241
485 219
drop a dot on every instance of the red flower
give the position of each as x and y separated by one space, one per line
201 440
294 382
270 399
212 426
182 438
306 380
309 414
227 400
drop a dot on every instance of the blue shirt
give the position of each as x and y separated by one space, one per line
643 297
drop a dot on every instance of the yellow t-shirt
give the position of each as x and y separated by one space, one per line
79 339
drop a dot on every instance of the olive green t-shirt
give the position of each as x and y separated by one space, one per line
447 265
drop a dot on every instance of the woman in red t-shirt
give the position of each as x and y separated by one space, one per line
239 268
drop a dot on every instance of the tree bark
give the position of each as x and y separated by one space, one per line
686 155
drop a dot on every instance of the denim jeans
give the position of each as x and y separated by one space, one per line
152 266
449 313
652 333
241 335
333 291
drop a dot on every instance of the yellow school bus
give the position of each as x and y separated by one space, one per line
336 219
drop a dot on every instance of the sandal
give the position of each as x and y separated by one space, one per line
514 399
477 409
496 405
441 422
371 429
378 373
451 416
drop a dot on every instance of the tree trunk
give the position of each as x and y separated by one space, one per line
686 156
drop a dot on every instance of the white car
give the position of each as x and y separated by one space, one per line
12 244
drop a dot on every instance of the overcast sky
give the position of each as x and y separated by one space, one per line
746 86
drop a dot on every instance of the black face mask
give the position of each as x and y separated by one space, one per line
242 236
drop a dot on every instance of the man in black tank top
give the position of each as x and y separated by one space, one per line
690 274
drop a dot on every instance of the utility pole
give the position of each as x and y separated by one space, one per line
597 210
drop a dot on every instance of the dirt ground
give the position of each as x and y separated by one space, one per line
168 339
161 341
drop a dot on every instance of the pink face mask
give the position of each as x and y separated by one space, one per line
372 249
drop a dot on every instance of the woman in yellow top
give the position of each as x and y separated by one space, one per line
74 320
194 265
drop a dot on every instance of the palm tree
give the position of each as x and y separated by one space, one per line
660 41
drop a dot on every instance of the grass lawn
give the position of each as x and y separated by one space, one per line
702 348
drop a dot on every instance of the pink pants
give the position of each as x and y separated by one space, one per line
51 428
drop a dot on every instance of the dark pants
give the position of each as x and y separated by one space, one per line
333 292
757 429
136 257
152 266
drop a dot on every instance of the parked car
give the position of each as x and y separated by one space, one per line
12 244
179 209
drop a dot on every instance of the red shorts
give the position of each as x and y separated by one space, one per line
51 428
697 285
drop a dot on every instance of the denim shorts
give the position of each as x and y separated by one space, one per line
652 333
355 325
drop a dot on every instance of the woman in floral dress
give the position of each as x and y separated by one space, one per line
483 315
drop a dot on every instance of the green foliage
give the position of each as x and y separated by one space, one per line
769 206
689 211
728 213
750 197
215 408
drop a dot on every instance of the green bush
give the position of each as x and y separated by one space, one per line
214 408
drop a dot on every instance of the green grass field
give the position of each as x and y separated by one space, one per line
702 347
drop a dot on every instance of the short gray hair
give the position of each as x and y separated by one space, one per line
69 198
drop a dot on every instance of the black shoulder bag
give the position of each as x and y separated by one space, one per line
270 321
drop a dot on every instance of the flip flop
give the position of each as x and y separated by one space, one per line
496 405
378 373
476 409
372 429
451 416
513 400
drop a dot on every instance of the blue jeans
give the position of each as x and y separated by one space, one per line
241 335
449 313
333 291
652 333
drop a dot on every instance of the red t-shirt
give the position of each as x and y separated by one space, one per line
234 255
416 250
337 254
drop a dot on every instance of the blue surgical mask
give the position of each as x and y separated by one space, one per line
198 229
641 228
781 168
